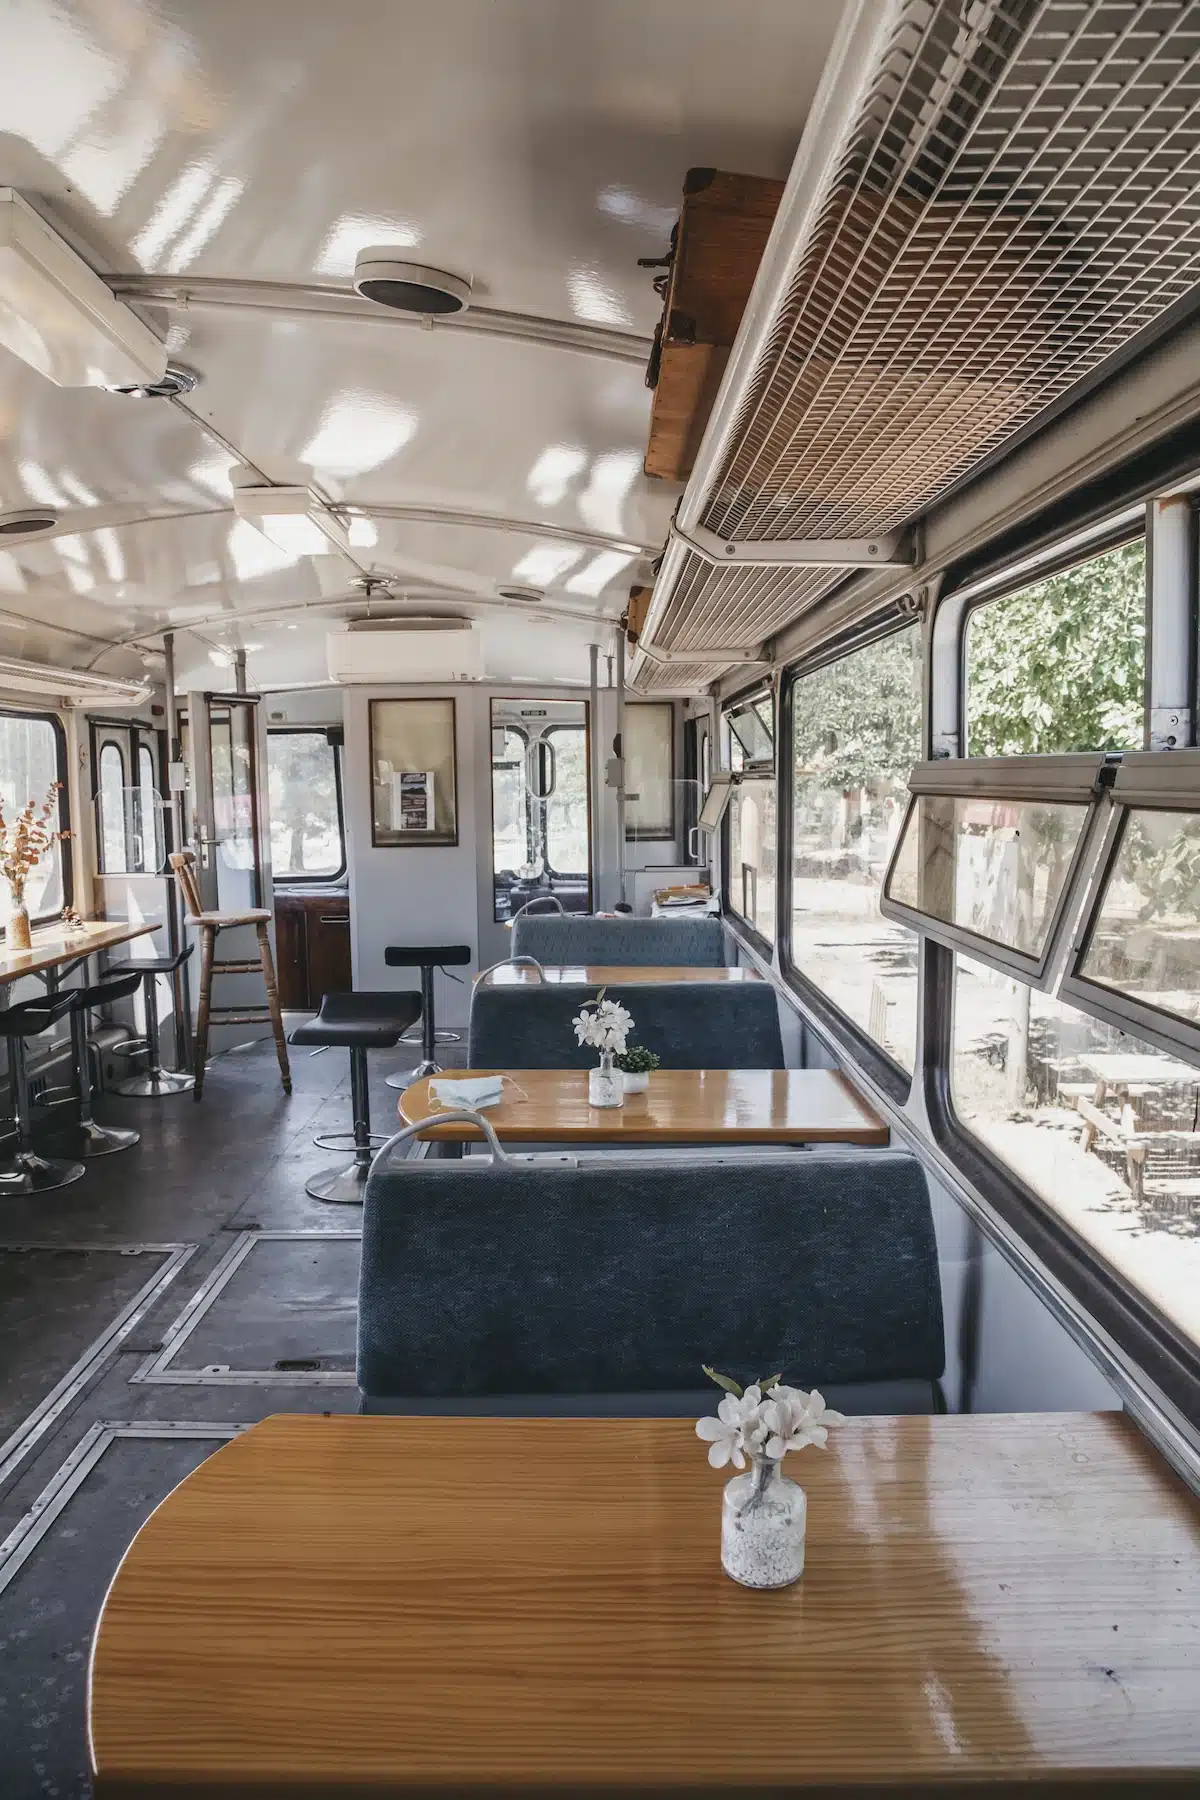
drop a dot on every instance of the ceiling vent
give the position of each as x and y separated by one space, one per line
27 521
175 382
409 287
528 596
420 651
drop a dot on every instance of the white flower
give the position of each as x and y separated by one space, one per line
739 1425
795 1419
606 1028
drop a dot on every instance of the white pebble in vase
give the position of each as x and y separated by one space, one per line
763 1517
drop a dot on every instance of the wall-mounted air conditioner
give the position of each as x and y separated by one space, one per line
434 650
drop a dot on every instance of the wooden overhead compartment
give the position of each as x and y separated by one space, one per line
715 251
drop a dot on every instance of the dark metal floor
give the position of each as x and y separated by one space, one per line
110 1266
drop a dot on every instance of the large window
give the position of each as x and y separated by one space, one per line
1103 1127
305 806
541 827
32 758
856 733
1060 665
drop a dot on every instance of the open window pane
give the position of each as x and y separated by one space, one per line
996 868
649 746
753 841
1146 938
1059 666
29 766
856 733
306 827
753 730
1098 1123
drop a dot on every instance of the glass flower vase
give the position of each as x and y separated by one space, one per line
762 1527
18 926
606 1085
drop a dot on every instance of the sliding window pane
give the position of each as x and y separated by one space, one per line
993 867
1095 1121
856 733
1060 665
1146 940
753 841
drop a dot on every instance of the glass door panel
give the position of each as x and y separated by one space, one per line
541 817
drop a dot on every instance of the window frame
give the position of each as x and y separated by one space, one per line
62 764
635 834
1070 779
334 736
891 1076
1146 781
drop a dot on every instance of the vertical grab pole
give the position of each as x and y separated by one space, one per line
594 774
181 999
619 749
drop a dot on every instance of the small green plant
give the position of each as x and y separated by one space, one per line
637 1060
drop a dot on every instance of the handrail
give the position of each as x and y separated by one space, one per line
510 962
459 1115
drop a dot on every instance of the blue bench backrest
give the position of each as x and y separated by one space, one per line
690 1025
623 1279
551 938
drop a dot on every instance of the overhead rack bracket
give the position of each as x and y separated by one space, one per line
890 550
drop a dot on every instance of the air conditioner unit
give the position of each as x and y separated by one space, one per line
449 651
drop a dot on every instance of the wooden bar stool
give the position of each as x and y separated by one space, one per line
210 925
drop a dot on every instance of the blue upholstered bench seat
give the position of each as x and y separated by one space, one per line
515 1288
689 1025
553 938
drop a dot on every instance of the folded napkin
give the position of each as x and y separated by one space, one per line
476 1091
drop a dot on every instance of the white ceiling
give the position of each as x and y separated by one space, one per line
538 146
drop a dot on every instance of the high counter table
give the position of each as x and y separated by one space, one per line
53 946
609 975
680 1106
365 1606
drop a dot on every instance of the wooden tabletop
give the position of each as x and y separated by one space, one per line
53 945
609 975
386 1606
692 1106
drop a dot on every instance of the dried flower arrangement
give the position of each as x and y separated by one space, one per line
24 841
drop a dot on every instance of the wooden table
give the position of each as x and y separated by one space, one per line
681 1106
358 1606
53 946
610 975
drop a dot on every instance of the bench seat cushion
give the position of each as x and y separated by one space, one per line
552 938
689 1025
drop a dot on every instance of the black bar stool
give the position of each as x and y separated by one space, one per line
427 958
154 1080
97 1140
27 1172
358 1023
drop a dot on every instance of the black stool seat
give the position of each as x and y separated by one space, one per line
31 1016
154 1081
111 987
94 1139
426 956
360 1021
152 965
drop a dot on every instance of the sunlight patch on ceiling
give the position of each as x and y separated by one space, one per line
111 554
632 209
553 473
595 577
592 299
212 474
602 504
173 214
12 576
75 489
253 554
207 222
356 434
546 563
39 486
354 232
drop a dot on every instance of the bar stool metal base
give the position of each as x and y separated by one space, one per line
402 1078
339 1187
103 1140
154 1083
28 1173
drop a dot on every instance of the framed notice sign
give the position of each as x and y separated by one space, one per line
414 795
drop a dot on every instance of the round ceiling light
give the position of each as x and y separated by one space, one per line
407 286
27 521
528 596
176 381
